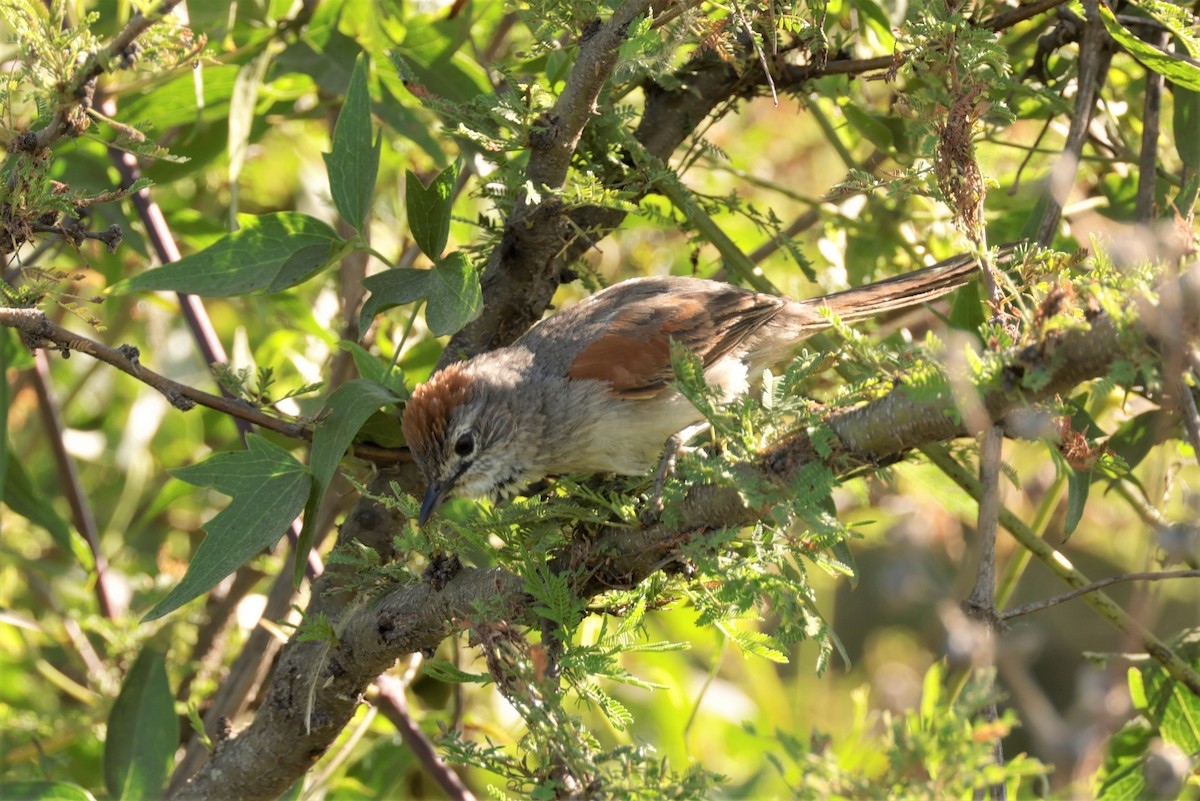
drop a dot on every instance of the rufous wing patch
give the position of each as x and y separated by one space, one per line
631 366
634 357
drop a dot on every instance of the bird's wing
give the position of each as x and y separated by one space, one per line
633 352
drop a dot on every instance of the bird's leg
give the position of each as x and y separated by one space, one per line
666 465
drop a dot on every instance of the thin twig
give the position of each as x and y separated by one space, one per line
390 691
762 57
44 333
1148 158
1061 566
1149 575
96 64
1094 57
72 486
981 605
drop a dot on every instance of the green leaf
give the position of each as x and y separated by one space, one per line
967 312
23 499
43 791
392 288
143 731
271 251
760 644
1186 122
184 100
455 298
870 126
1079 482
1122 776
1168 705
353 163
340 419
451 287
445 671
1176 69
268 489
375 369
242 106
429 209
1138 435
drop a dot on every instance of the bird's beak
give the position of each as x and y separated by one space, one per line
434 495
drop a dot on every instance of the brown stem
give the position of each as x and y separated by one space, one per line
83 82
1094 57
40 332
1148 158
391 689
81 510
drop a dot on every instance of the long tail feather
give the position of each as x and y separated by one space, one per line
910 289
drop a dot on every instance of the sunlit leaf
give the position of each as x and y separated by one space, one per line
267 488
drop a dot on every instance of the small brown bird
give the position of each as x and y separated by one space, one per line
588 390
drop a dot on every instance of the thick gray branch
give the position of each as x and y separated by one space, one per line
523 271
277 747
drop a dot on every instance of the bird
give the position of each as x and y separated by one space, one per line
589 389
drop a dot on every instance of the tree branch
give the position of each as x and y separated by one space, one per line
70 116
1149 575
523 271
38 331
417 617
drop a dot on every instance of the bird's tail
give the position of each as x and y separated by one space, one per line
910 289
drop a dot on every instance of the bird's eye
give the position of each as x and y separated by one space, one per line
465 445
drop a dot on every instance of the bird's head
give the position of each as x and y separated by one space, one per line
463 438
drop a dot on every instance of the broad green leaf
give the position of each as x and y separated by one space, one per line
966 314
271 251
143 731
22 498
431 56
340 419
1169 705
1122 777
392 288
428 209
455 298
1186 199
43 791
1179 71
267 488
353 163
1186 124
870 126
242 106
373 368
1138 435
176 103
